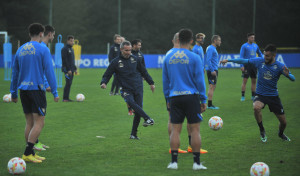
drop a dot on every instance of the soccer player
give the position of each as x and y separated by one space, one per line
211 64
48 37
184 85
113 53
33 61
127 69
249 50
176 45
68 66
269 71
198 47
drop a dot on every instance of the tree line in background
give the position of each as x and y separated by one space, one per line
94 23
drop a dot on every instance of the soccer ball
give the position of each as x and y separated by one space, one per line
80 97
16 166
215 123
259 169
7 98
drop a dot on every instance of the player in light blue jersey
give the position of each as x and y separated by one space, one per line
269 71
48 37
249 50
198 46
211 66
33 61
184 85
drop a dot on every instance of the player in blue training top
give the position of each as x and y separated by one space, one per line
211 66
269 71
48 37
184 85
33 61
198 46
249 50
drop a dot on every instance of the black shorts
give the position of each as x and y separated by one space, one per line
185 106
273 102
212 79
34 101
249 71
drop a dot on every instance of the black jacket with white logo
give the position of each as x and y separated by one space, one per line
127 72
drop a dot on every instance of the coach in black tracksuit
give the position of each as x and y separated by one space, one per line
113 53
127 68
68 66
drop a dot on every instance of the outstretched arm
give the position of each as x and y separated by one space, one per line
286 72
239 61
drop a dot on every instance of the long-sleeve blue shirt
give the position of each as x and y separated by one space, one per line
46 82
199 50
249 51
268 75
211 58
32 61
181 74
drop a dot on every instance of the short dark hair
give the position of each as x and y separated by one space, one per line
125 43
250 34
48 29
116 35
214 37
35 29
271 48
185 36
70 37
136 41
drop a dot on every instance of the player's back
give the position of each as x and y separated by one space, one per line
30 64
180 66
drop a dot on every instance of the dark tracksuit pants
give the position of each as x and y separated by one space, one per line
114 85
135 101
67 88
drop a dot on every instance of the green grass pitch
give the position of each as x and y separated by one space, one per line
71 129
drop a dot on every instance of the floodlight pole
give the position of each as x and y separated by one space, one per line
254 14
213 17
119 17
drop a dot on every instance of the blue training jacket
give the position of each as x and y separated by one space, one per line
211 58
32 61
182 74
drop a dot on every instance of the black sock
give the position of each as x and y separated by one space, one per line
196 157
37 141
209 102
29 149
253 94
261 127
174 154
243 93
189 140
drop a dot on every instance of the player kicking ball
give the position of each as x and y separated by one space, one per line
269 71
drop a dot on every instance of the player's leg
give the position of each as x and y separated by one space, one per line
276 107
67 88
190 149
244 83
29 125
138 98
212 80
174 144
117 88
193 114
130 110
258 105
128 97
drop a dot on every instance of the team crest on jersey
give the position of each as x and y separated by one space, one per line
179 57
139 54
70 51
275 67
267 75
28 49
132 60
121 65
263 65
116 49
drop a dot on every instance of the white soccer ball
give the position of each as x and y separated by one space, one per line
215 123
16 166
7 98
259 169
80 97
